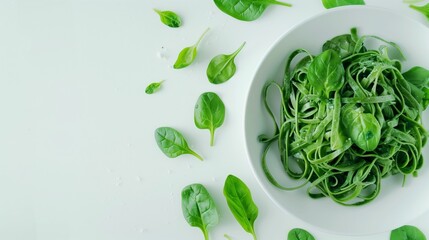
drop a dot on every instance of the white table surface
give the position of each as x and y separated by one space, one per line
78 159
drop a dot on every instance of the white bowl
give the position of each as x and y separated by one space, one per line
395 205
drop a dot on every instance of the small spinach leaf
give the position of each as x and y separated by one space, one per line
407 232
326 71
188 54
172 143
246 10
209 113
153 87
240 202
169 18
422 9
339 3
222 67
199 208
363 128
299 234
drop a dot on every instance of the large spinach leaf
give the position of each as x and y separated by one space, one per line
363 128
240 202
172 143
299 234
407 232
209 113
199 208
326 71
339 3
222 67
344 45
246 10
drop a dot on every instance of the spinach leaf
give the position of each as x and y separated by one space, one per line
363 128
326 71
153 87
407 232
418 76
299 234
422 9
172 143
418 80
222 67
246 10
188 54
199 208
209 113
240 202
338 3
169 18
344 45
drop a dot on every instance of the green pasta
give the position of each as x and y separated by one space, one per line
349 117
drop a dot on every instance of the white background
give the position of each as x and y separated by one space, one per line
78 159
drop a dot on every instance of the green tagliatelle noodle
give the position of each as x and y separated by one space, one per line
359 127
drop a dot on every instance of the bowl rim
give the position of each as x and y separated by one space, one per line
264 57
